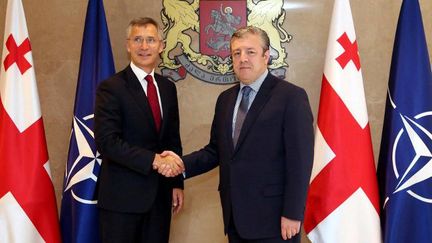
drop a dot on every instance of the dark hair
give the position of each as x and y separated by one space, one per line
240 33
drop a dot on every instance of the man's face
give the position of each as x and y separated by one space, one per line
144 46
249 59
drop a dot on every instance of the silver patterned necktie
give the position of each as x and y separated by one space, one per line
241 113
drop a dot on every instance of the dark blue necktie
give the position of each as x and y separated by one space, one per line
241 113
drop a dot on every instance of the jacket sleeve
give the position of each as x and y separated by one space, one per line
299 143
207 158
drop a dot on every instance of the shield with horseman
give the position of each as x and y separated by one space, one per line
218 21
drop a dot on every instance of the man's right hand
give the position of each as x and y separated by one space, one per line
168 164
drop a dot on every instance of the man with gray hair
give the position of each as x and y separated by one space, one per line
136 118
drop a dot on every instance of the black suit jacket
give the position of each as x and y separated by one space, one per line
126 136
266 175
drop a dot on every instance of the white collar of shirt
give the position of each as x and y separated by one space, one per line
139 73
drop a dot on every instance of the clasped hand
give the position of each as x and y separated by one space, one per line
168 164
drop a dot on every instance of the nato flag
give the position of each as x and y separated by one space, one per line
405 160
79 217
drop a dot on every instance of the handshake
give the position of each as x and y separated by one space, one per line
168 164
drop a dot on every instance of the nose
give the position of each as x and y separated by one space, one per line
144 45
243 57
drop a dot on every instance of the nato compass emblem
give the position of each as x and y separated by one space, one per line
198 33
412 156
83 163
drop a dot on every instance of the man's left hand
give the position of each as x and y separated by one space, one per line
177 200
289 228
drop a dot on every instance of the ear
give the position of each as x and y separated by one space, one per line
161 46
128 46
267 55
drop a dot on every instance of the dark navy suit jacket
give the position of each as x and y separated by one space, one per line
267 174
126 137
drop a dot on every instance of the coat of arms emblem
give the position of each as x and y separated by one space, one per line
198 36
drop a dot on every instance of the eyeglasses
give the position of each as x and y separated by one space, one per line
138 40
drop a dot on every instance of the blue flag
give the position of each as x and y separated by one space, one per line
405 161
79 217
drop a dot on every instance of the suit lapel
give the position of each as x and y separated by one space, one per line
258 104
165 100
138 94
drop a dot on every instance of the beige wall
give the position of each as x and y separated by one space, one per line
56 27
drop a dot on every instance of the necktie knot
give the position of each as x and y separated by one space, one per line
244 104
246 91
149 78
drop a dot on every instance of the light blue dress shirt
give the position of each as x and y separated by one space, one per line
255 86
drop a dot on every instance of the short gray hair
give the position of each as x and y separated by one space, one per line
143 21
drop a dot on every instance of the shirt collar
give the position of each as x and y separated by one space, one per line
139 73
256 85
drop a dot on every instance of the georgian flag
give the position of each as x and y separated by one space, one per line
343 203
28 211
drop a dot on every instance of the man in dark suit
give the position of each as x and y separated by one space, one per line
262 141
136 118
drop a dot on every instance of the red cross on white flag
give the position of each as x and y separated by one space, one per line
28 211
343 202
